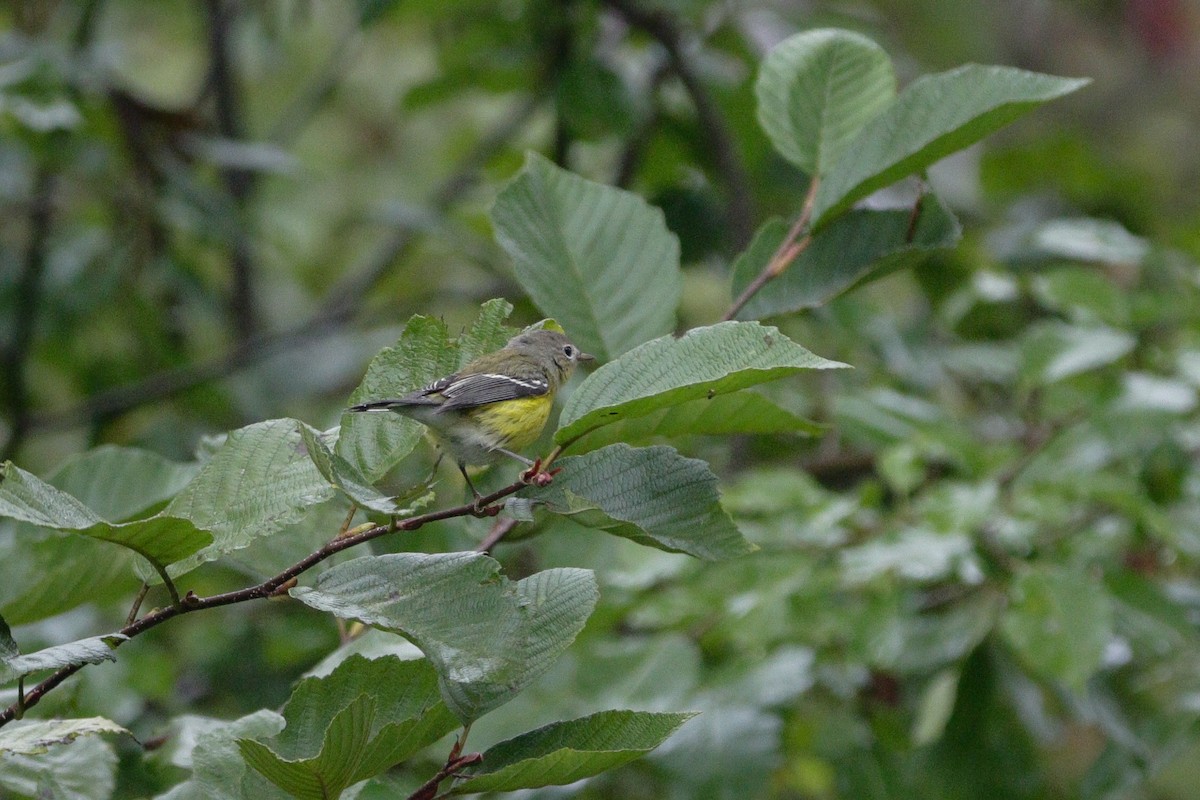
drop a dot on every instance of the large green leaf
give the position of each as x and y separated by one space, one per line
565 752
858 246
598 259
43 573
120 483
84 651
31 737
703 363
347 477
328 746
723 415
933 117
164 539
376 442
651 495
816 89
1059 621
486 636
256 483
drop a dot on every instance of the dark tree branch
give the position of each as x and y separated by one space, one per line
239 182
27 303
663 29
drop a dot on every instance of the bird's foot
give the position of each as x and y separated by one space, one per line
536 477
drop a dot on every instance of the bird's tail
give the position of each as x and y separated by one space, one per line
378 405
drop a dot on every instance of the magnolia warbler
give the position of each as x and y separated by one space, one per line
497 403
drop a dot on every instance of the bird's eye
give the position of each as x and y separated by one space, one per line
568 351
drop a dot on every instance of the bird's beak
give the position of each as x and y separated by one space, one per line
585 357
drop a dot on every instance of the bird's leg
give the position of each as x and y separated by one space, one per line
463 469
517 456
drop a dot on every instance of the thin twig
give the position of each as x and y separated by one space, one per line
428 790
137 604
303 107
499 530
791 247
664 30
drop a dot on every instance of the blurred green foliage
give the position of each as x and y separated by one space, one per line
980 580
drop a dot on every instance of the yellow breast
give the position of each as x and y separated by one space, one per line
517 423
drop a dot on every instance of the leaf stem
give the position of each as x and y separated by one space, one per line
166 579
787 252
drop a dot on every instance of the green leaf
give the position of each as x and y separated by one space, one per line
486 636
858 246
83 770
933 117
723 415
326 775
598 259
396 712
257 483
163 539
565 752
376 442
31 737
704 362
816 89
1059 622
92 650
347 478
120 483
43 573
651 495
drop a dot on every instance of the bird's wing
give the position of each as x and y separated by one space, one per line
481 388
427 396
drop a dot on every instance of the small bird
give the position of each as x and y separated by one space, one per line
497 403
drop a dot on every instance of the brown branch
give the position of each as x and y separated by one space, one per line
713 128
239 182
501 529
428 790
275 585
791 247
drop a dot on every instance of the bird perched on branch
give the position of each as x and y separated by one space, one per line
496 404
